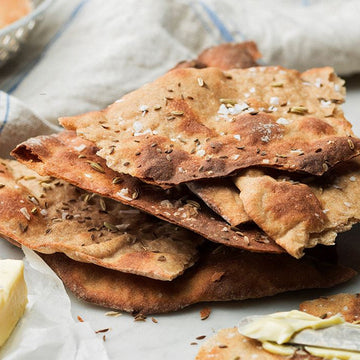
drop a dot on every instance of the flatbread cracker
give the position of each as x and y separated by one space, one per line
177 206
300 215
221 274
49 215
203 123
229 344
221 196
348 305
225 56
288 212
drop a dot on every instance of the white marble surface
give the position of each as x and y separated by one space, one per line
170 338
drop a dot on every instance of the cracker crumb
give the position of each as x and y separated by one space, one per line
205 313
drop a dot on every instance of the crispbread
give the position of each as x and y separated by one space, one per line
186 126
174 205
229 344
348 305
221 196
225 56
298 215
221 274
49 215
288 212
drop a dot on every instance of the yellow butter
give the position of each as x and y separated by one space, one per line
275 330
13 296
280 327
333 353
284 350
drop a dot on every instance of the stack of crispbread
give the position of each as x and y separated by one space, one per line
236 167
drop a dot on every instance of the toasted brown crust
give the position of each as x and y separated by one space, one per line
192 137
221 196
225 56
220 275
288 212
348 305
48 215
229 344
176 205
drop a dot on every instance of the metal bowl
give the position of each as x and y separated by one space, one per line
14 35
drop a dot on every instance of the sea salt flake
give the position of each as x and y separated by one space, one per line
138 126
282 121
124 194
237 137
324 103
318 82
352 178
274 100
223 110
80 147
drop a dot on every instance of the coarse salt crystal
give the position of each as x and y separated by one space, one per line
124 194
200 152
80 147
318 82
266 161
166 203
237 137
324 103
274 100
346 203
143 108
336 87
24 211
138 126
236 156
43 212
252 90
352 178
272 108
223 110
282 121
88 176
238 108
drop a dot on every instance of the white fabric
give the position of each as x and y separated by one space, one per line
88 53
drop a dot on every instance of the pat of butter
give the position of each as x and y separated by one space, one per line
333 353
280 327
13 296
284 350
275 330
